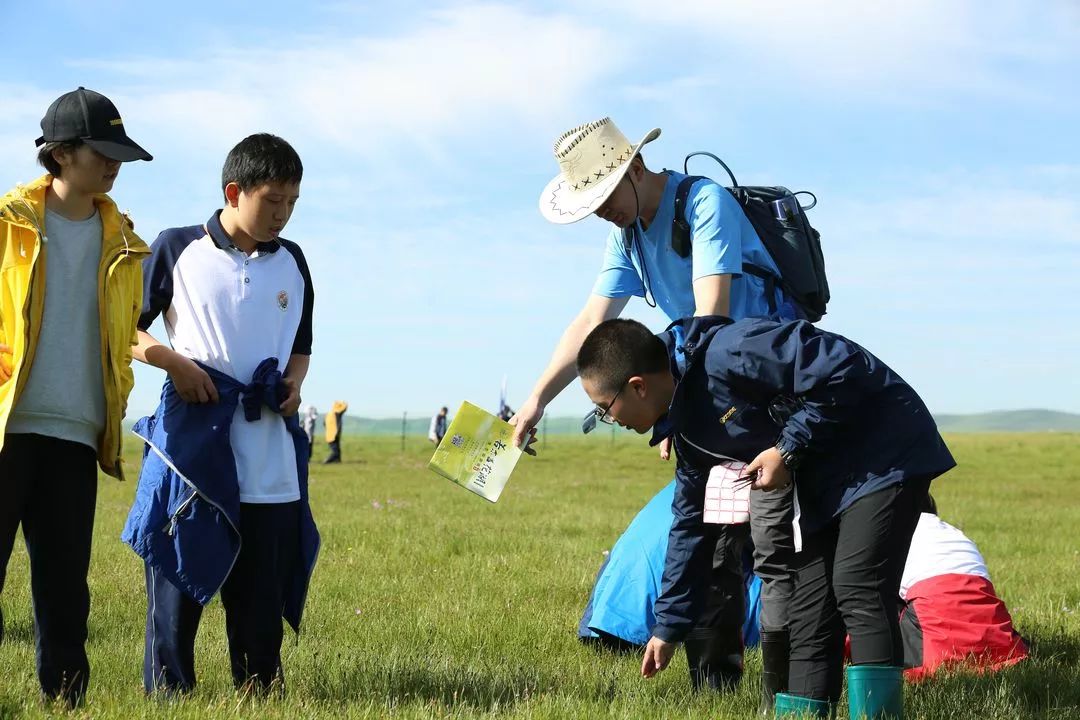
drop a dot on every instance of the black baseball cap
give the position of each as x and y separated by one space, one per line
91 117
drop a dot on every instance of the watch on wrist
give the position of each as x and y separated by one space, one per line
789 456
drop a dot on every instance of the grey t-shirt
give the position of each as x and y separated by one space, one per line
64 396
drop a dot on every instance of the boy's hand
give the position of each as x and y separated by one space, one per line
772 474
658 654
291 404
524 422
665 448
192 383
5 363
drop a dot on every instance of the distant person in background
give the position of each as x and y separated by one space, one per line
437 429
334 422
506 413
311 420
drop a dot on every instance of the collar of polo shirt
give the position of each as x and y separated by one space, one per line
224 241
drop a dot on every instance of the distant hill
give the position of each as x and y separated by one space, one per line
419 426
998 421
1011 421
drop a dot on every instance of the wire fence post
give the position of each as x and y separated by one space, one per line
404 420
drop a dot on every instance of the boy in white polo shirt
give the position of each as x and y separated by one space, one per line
234 295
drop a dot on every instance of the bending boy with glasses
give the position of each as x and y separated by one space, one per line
856 439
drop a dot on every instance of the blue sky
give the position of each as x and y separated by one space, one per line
940 137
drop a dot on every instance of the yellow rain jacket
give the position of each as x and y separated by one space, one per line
23 248
340 406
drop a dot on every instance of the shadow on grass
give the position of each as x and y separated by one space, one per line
611 645
18 633
9 708
1045 685
446 686
457 687
1056 648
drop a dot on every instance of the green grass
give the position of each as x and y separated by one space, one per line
429 602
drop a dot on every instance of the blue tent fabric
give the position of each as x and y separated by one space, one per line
751 629
620 609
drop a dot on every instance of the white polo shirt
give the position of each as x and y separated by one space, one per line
230 311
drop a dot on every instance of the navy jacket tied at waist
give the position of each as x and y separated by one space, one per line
186 516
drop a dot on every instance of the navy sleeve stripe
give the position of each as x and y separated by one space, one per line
302 343
158 270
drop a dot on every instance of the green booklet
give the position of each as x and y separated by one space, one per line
477 452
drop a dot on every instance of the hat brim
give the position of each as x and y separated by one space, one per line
560 204
125 150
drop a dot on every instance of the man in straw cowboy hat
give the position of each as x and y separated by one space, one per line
602 173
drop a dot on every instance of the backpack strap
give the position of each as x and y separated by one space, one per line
681 240
680 226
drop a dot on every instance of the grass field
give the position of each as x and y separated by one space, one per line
429 602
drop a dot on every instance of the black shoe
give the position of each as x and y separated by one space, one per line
775 647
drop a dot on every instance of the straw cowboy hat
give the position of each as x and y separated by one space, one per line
592 159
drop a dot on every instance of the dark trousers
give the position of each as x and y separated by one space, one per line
847 577
714 648
771 516
335 451
50 486
253 597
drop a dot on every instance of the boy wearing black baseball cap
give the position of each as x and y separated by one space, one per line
70 295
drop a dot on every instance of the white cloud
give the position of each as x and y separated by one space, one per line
1029 211
896 51
478 70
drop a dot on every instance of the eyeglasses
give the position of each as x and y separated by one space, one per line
603 414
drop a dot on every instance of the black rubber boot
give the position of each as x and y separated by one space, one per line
775 645
714 661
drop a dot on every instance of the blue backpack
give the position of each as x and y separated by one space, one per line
782 225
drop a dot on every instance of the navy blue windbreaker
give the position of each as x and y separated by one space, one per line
186 516
743 386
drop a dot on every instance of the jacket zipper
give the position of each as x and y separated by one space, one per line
195 493
43 244
692 444
170 527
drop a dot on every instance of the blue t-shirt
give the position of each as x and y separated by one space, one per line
722 239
